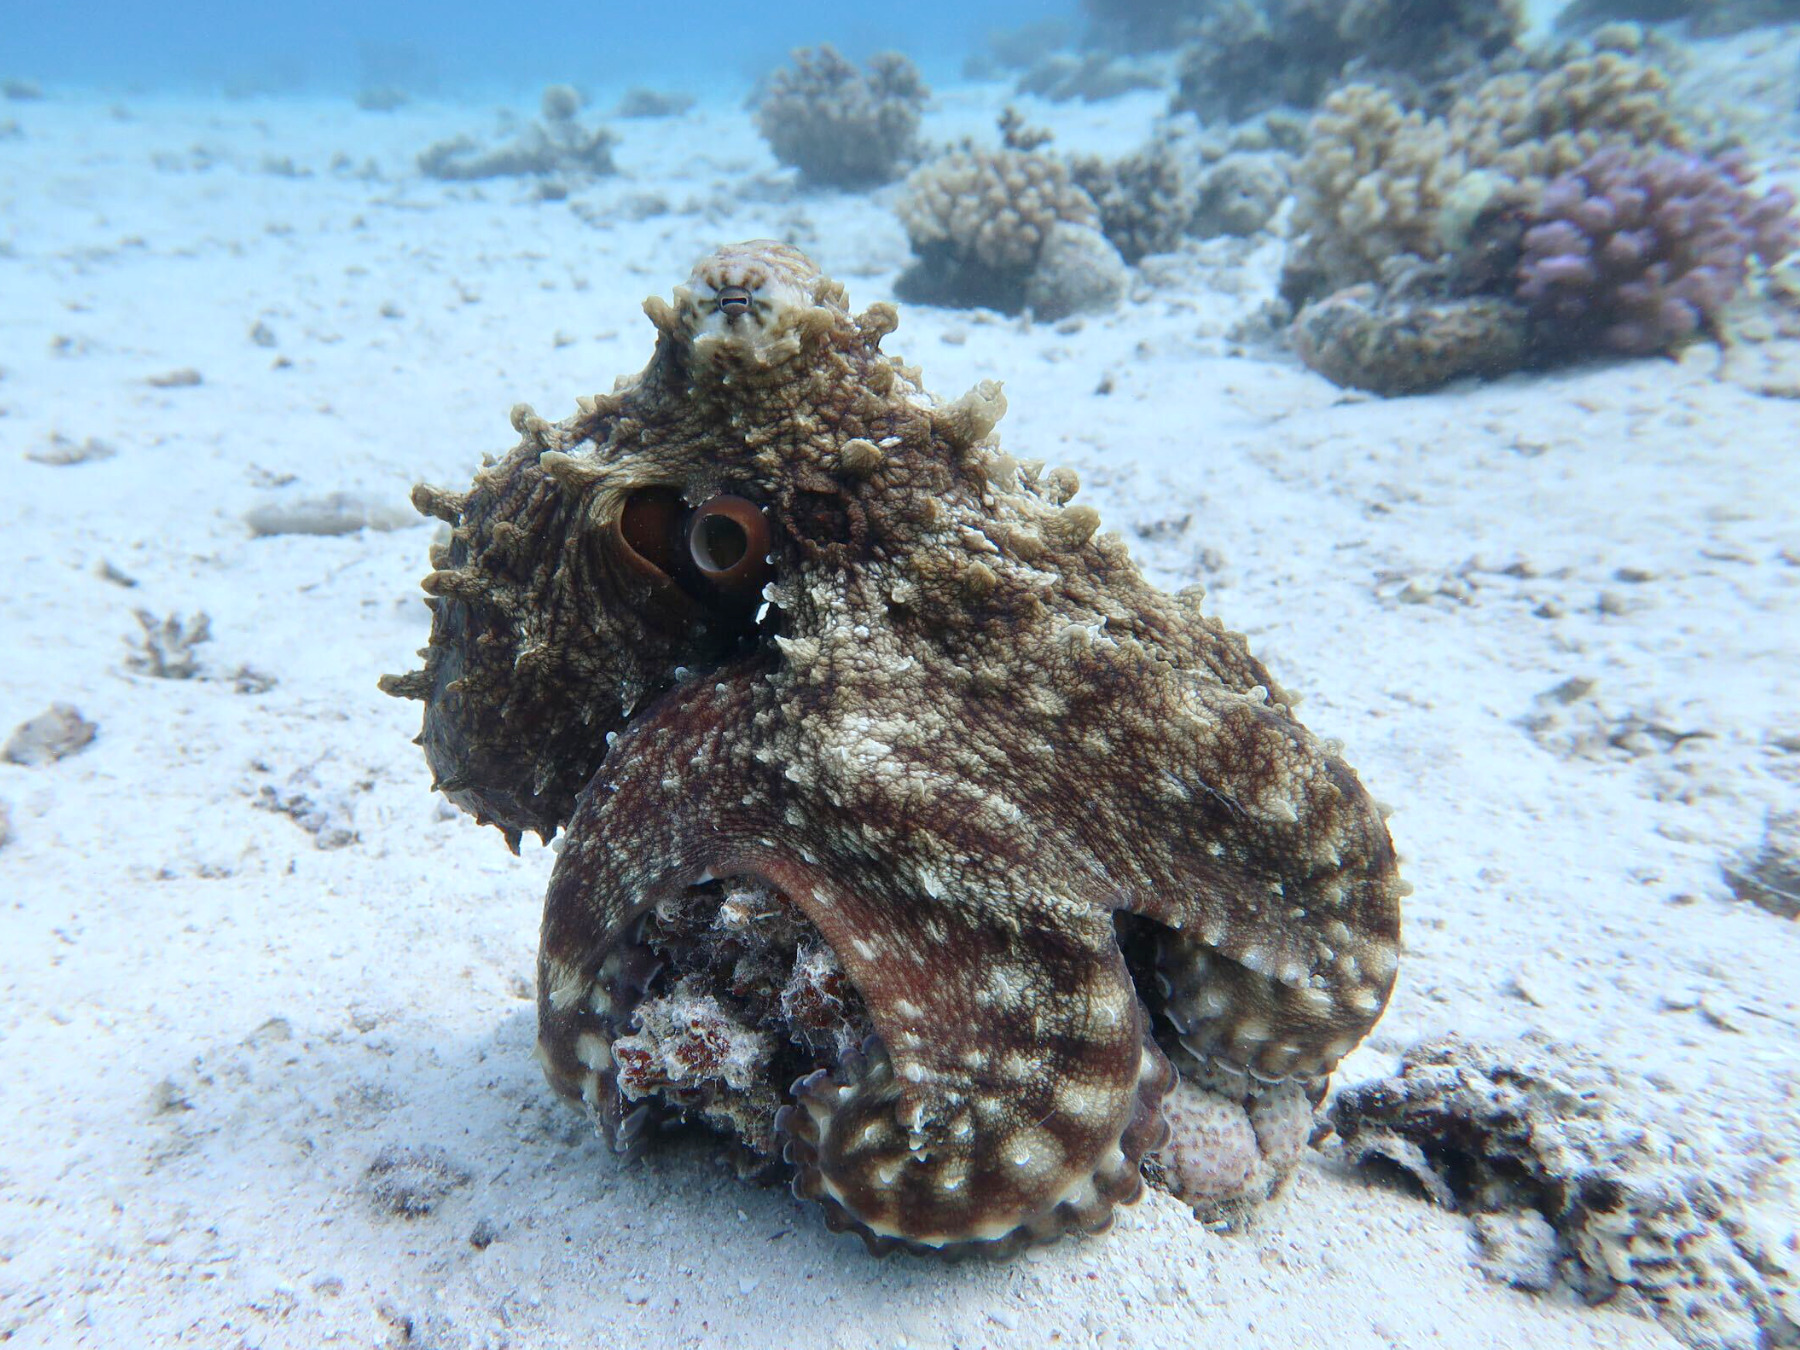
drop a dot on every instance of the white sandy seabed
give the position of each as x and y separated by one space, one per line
246 952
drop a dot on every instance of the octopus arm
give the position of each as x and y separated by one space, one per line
1270 866
1008 1097
1010 1090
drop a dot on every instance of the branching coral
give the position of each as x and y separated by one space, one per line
979 221
1639 258
1146 200
166 647
840 126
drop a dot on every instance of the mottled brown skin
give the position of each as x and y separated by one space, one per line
964 734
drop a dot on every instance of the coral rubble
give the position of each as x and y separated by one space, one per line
56 733
1769 877
1638 1214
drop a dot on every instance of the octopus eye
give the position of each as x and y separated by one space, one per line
728 539
733 300
648 525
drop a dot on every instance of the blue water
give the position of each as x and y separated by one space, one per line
203 45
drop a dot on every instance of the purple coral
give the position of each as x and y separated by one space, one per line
1639 257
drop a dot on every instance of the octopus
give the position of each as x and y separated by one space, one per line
909 838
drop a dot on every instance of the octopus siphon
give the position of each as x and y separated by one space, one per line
911 840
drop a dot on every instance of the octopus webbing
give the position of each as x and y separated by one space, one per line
911 839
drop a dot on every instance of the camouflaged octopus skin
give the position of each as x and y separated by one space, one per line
963 737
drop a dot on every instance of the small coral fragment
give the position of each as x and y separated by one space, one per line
53 734
1768 876
165 649
412 1182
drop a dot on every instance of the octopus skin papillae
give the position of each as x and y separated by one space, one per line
912 841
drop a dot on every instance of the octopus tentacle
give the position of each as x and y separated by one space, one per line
938 1139
1273 1029
1277 882
637 836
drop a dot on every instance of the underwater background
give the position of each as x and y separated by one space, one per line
472 49
1447 351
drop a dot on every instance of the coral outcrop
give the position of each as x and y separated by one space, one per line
1703 17
639 102
1092 77
980 222
1143 25
1252 55
1391 341
1564 202
558 144
914 842
1379 181
1182 184
841 127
